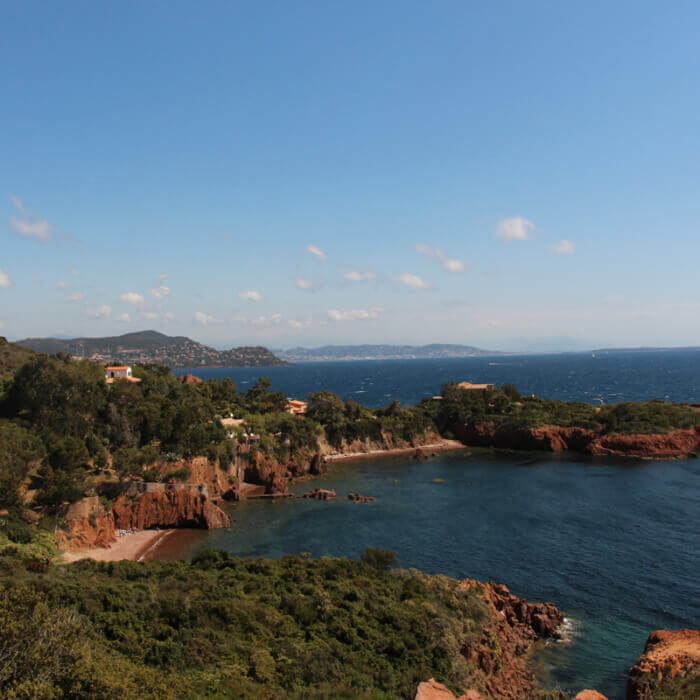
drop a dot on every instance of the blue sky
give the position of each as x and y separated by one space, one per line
304 173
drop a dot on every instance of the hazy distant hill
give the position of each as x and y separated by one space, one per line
12 357
154 347
382 352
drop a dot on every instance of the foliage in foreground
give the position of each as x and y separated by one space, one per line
226 627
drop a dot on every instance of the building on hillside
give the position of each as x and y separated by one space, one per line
114 372
296 407
468 386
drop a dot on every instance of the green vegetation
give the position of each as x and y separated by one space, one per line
226 627
12 357
506 408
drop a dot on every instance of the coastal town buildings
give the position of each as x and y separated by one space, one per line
114 372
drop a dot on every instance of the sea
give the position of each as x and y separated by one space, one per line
614 543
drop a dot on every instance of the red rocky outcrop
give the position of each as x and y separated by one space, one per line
189 379
84 525
155 505
515 625
552 438
668 657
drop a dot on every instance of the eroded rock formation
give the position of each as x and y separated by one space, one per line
85 524
497 651
156 505
670 660
552 438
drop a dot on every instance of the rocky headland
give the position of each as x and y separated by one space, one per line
669 667
553 438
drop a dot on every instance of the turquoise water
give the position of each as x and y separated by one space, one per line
613 543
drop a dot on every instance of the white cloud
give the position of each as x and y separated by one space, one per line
39 228
103 311
413 281
205 319
251 295
28 225
564 247
161 292
74 297
300 324
5 280
514 228
62 284
149 314
353 315
168 317
2 325
359 276
261 321
162 277
315 250
124 318
450 264
74 272
302 283
132 298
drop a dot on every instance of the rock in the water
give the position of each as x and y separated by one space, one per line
357 498
321 494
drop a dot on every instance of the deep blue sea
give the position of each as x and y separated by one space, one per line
607 376
613 543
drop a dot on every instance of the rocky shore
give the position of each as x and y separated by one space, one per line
553 438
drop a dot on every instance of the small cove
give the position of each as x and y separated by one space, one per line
613 543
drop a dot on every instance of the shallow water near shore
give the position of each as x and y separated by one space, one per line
613 543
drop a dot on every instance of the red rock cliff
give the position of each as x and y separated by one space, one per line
552 438
152 505
670 660
85 524
515 625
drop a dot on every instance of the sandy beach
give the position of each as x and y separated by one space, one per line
397 451
134 547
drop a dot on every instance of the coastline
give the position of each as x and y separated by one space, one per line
130 547
442 446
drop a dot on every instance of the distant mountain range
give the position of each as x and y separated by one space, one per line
155 348
335 353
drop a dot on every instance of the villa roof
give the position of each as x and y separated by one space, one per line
474 387
117 367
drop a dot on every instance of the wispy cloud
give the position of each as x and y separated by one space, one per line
78 296
124 318
103 311
353 315
62 284
564 247
300 324
205 319
5 280
413 281
150 315
315 250
251 295
302 283
450 264
359 275
514 228
29 225
161 292
2 325
132 298
168 317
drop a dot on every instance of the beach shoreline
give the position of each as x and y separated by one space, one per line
133 547
442 446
